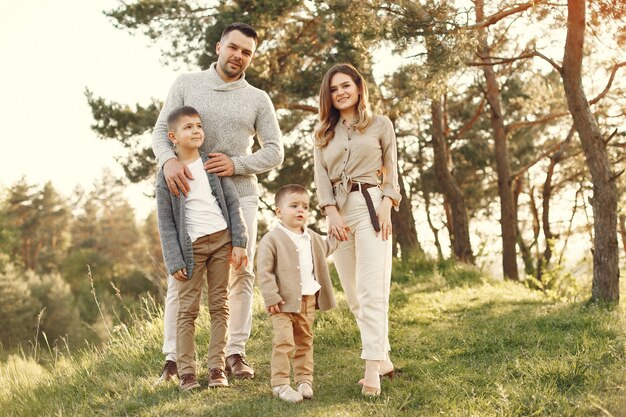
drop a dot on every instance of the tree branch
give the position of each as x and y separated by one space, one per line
556 66
608 86
553 116
504 60
549 152
496 17
468 125
498 60
611 136
486 22
545 119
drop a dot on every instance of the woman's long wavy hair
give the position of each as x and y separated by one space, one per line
329 115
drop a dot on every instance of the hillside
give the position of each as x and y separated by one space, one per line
466 346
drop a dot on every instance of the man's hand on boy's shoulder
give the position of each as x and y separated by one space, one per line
239 258
273 309
176 175
220 164
181 274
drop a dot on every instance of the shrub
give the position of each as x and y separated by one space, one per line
53 295
557 283
18 309
458 274
26 298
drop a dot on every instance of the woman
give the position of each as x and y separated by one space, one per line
353 151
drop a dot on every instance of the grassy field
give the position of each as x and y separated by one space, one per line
465 346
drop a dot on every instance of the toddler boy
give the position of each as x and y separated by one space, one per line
294 280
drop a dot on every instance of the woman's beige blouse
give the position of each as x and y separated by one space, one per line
351 156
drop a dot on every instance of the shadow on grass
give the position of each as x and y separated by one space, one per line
511 357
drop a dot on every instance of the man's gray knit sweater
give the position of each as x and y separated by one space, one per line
232 113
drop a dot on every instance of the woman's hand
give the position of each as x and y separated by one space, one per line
384 217
336 225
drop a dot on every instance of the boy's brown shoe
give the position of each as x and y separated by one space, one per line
217 378
188 382
169 373
237 366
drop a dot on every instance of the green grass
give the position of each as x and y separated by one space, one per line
465 346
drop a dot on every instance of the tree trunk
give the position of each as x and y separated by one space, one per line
431 224
403 224
426 191
447 210
544 260
459 226
546 194
605 285
622 230
524 249
508 216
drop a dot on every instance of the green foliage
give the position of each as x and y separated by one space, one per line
178 20
37 219
125 124
18 309
9 233
557 283
44 253
60 317
36 306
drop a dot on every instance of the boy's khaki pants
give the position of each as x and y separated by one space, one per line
211 258
293 334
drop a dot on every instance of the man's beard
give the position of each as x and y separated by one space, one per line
229 72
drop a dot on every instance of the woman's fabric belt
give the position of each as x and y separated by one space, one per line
357 186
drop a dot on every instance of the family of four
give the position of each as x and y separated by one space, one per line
207 200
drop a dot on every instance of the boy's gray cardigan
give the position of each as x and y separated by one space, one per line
278 269
175 242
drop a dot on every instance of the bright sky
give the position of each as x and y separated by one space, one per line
51 52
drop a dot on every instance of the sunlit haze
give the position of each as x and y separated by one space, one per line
51 52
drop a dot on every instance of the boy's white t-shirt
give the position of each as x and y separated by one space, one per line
305 255
203 215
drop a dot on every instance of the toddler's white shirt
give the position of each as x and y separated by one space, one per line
305 255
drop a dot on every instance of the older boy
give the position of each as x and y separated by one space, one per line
201 233
294 290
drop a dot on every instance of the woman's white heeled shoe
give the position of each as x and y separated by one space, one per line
386 370
371 381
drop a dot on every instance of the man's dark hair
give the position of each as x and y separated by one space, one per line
176 114
288 189
244 28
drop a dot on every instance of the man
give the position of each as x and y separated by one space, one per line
232 113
